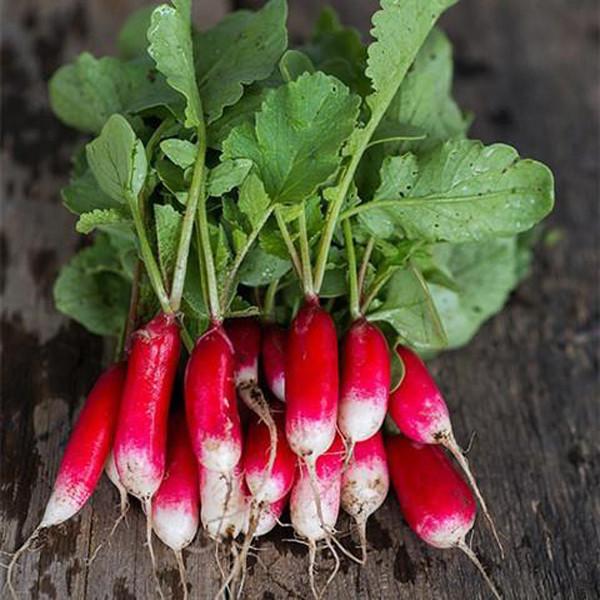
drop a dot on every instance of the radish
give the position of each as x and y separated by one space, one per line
269 517
316 521
84 457
365 484
365 382
210 402
311 383
273 350
435 500
420 412
141 436
175 504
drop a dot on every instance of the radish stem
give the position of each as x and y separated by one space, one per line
364 265
287 238
352 276
307 279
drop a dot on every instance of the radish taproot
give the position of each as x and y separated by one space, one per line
365 382
110 468
175 506
210 402
83 459
420 412
273 353
435 500
365 484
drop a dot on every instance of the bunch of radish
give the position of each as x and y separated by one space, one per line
275 237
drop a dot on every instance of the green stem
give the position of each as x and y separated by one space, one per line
269 300
196 192
352 277
148 257
397 138
228 294
307 279
364 265
156 137
377 285
287 238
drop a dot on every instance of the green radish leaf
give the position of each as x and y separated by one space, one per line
170 37
133 37
409 308
296 141
118 160
226 176
260 268
243 48
484 274
168 231
424 102
86 93
396 368
93 290
192 291
293 64
83 195
253 201
399 29
461 191
172 177
338 51
180 152
89 221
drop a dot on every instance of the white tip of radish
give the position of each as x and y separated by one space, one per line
303 508
247 373
278 387
174 525
361 418
61 507
445 533
220 455
310 438
364 488
139 478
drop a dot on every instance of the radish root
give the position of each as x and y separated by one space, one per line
147 505
182 573
473 558
361 526
449 442
15 557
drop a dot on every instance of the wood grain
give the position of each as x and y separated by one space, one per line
528 384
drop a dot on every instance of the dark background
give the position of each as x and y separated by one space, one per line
528 384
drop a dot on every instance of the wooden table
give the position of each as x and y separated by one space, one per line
528 384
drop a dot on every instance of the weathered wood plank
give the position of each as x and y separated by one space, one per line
528 384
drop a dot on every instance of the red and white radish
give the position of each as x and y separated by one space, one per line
270 516
273 351
84 457
365 382
311 382
313 520
175 506
110 468
141 437
420 412
435 500
210 402
365 484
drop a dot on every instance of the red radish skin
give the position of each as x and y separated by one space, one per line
268 485
365 382
175 506
420 412
365 484
436 502
84 457
311 382
316 522
273 351
245 337
210 401
141 436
